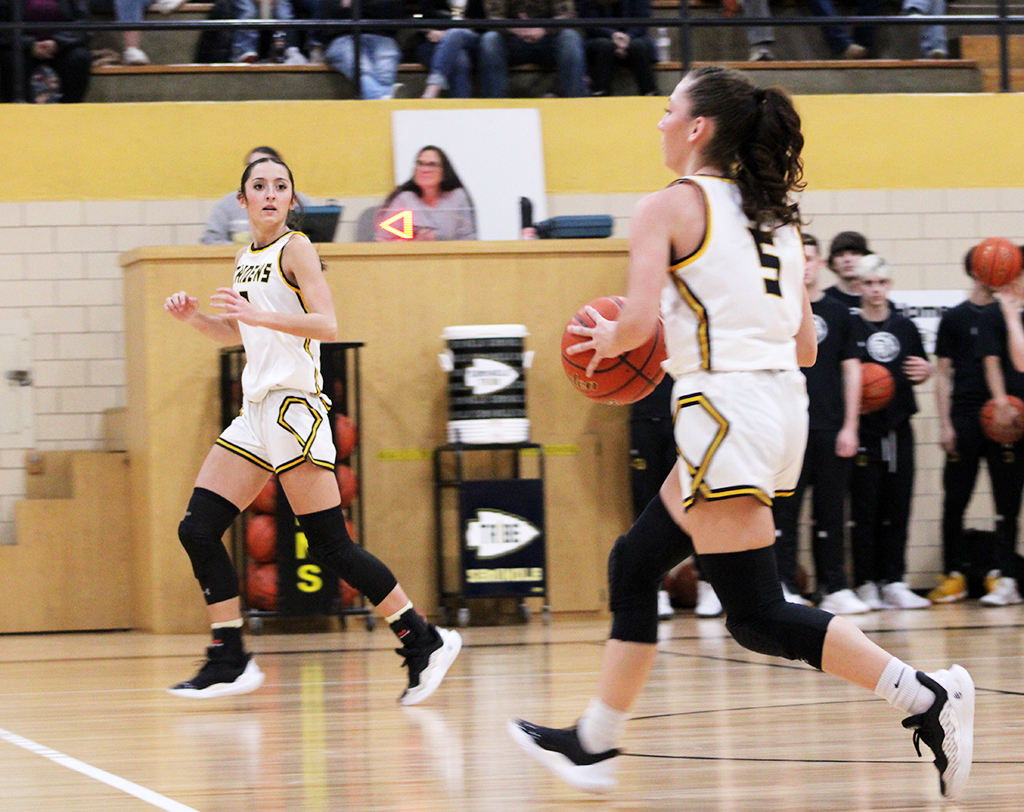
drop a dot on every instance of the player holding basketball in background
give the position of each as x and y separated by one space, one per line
280 308
833 391
960 392
737 323
1001 346
882 483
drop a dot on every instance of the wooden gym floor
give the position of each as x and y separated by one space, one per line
86 725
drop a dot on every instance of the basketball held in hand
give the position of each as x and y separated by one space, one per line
876 389
1006 433
996 262
624 379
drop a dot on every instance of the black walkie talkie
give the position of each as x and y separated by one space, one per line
525 213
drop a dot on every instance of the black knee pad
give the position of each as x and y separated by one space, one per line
757 614
636 565
331 547
207 519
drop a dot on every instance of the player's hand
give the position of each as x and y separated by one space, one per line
234 306
181 305
600 338
947 439
435 36
916 368
1011 295
846 442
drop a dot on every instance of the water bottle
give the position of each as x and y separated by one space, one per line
663 45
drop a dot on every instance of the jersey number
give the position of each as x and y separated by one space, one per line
769 260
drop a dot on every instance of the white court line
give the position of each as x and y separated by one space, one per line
143 794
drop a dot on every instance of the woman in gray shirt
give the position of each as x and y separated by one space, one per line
440 205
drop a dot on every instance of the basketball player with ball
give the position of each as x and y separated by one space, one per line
882 484
717 255
280 307
1001 346
961 391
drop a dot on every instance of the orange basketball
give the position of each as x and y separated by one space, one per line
347 593
996 261
348 484
351 528
617 381
266 499
261 586
681 584
876 388
261 537
345 436
1000 433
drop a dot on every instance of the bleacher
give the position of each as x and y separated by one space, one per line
803 64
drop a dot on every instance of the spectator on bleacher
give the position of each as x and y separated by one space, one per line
934 43
131 11
379 51
631 46
435 195
558 49
228 222
448 54
245 43
839 41
760 38
57 64
843 255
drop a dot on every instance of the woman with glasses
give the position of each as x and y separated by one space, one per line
439 206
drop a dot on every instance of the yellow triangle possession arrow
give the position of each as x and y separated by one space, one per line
406 225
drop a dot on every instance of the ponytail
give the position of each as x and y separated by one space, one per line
757 141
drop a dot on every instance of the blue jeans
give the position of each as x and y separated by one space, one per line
248 41
933 37
561 50
378 62
130 11
836 37
451 63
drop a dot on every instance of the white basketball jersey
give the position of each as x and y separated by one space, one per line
274 360
736 303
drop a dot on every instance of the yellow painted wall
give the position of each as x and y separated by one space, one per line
591 146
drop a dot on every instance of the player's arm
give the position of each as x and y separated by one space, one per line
1011 299
806 336
943 401
301 265
185 309
846 440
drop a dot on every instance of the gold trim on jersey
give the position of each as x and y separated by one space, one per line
298 461
241 452
285 279
703 330
676 264
698 472
307 443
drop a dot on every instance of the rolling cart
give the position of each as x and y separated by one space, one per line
291 584
490 540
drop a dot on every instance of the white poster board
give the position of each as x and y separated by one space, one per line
925 309
498 155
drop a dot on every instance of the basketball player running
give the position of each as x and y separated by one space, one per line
737 324
280 308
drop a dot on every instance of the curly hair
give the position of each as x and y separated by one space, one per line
757 141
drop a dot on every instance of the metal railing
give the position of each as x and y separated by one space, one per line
684 23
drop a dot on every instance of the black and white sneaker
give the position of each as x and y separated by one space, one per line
561 752
428 664
221 675
947 727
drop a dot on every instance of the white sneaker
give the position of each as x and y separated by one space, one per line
665 611
561 752
134 56
167 6
897 595
843 602
428 665
947 727
708 604
293 56
868 593
792 597
1004 593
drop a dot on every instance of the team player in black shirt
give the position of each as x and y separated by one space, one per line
833 389
1001 346
843 255
882 483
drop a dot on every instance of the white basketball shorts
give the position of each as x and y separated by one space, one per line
281 431
740 433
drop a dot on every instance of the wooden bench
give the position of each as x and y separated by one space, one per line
983 49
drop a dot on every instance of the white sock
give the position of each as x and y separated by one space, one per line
899 686
600 726
392 618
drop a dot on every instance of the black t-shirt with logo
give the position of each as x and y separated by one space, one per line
992 341
958 340
836 343
851 300
889 343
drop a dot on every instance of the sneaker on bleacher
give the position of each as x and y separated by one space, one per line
167 6
134 56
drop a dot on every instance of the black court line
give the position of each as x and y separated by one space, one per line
754 759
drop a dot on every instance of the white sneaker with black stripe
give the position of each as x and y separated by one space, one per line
947 727
559 750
